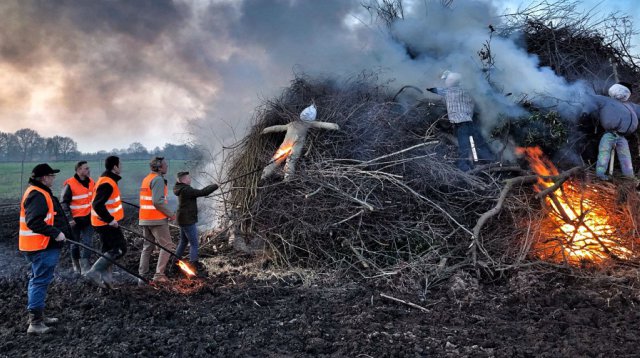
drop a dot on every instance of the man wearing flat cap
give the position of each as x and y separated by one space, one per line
187 216
43 229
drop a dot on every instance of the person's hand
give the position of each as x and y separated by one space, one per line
61 237
72 223
113 223
215 186
172 217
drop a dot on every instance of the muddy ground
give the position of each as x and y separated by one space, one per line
245 309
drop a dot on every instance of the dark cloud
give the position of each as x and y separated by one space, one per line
137 70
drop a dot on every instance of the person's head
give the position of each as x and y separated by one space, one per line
619 92
184 178
451 79
158 165
82 169
309 114
44 174
112 164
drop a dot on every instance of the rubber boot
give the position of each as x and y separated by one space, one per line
97 271
76 265
36 323
85 266
201 270
107 277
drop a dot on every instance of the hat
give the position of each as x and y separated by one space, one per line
619 92
309 114
451 79
181 174
43 169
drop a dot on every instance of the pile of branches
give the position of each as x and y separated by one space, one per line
379 196
578 45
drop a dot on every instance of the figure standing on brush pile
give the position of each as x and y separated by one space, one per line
460 107
291 147
154 216
77 193
106 211
619 118
41 220
187 217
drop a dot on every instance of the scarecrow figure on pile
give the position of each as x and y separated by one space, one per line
291 147
460 108
619 118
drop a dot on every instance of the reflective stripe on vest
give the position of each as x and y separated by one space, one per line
80 204
147 210
113 204
27 239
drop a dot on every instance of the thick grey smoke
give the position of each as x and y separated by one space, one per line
111 72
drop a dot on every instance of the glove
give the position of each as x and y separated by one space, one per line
432 89
215 187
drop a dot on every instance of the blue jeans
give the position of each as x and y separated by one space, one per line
463 131
43 264
607 142
188 233
83 234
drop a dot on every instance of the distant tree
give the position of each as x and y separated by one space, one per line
52 147
67 146
29 142
4 145
137 150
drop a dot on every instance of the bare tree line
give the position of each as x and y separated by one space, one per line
27 145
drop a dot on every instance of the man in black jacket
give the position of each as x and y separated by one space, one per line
43 229
106 212
187 216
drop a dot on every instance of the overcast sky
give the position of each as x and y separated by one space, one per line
108 73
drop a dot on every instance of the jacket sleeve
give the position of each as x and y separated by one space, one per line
103 192
66 197
35 211
277 128
325 125
157 195
190 193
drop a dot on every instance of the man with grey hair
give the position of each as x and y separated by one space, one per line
460 108
154 218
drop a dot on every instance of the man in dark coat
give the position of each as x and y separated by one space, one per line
187 216
43 229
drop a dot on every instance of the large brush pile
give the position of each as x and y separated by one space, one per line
382 192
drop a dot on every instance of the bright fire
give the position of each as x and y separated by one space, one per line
579 229
184 267
283 151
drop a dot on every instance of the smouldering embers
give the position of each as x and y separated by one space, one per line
579 224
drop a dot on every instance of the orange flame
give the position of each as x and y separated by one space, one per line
185 268
580 225
283 152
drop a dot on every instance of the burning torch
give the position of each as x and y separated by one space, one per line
183 265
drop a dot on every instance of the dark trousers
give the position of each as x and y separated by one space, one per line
113 241
463 131
84 234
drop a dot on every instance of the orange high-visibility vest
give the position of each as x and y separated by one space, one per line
113 205
147 210
27 239
80 197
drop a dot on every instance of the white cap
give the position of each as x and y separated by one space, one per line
619 92
451 78
309 114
